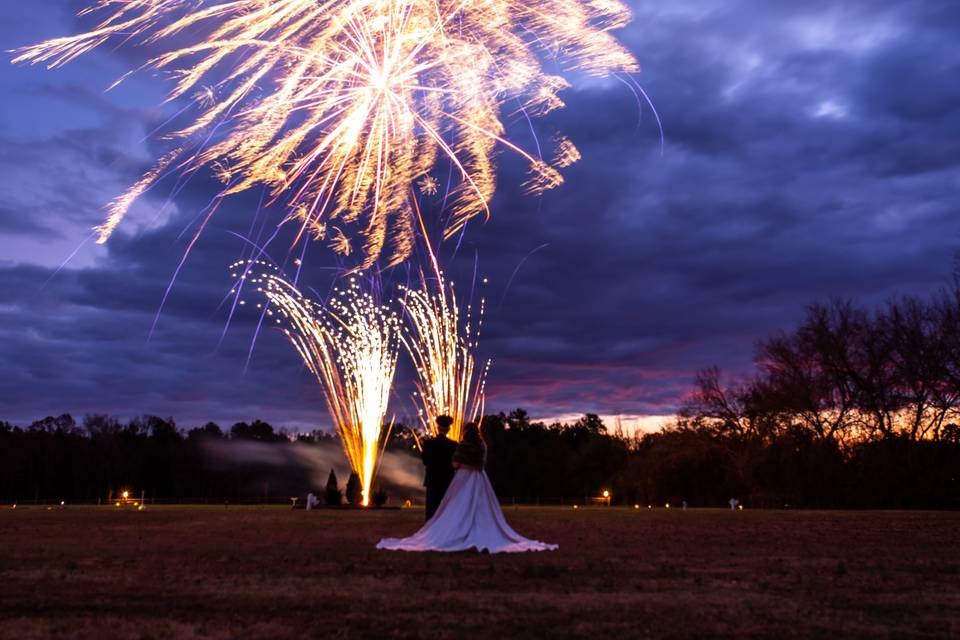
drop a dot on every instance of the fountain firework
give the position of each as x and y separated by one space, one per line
447 380
351 346
340 107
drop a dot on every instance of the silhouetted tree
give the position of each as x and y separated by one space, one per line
354 493
101 425
331 494
63 424
722 410
209 430
798 385
257 430
164 431
518 419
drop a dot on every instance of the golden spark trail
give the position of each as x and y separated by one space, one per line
351 347
341 106
447 380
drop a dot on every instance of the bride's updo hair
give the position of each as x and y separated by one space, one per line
471 452
471 432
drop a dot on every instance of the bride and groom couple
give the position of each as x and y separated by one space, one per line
462 510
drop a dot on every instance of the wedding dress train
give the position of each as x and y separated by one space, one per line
469 517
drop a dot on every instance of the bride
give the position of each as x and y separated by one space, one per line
469 517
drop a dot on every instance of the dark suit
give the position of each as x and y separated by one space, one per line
438 459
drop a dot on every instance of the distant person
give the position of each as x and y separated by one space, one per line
438 460
312 501
469 517
733 504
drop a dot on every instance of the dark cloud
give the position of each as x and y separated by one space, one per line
811 150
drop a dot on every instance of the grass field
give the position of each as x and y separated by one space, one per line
277 573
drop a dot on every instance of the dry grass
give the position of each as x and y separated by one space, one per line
274 573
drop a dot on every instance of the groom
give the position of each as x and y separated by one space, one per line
438 459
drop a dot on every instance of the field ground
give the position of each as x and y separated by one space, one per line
215 572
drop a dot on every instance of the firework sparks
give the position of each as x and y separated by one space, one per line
447 380
340 106
351 347
428 185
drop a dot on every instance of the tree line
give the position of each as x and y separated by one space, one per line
59 458
854 407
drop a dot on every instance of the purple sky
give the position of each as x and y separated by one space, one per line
812 150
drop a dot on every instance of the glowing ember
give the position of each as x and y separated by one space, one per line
351 347
341 106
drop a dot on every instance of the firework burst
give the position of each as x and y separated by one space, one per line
351 347
449 382
341 106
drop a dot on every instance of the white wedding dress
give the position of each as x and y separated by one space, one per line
469 517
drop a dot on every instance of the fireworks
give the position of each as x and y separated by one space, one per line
341 106
351 347
447 383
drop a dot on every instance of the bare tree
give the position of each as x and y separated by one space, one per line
918 362
798 382
946 393
722 410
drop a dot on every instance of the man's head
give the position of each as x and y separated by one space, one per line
443 425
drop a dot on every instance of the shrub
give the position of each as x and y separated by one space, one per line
332 494
354 495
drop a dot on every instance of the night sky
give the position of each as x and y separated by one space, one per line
811 150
